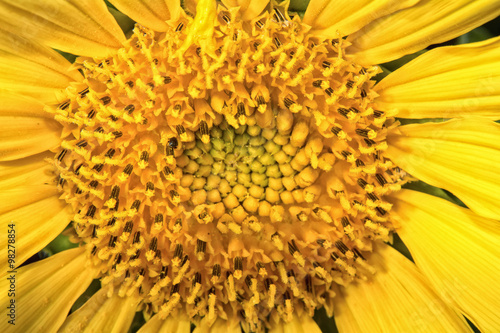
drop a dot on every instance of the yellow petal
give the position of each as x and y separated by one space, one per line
299 324
446 82
413 29
45 291
220 326
79 319
150 13
36 225
78 27
168 325
457 250
26 136
29 68
347 16
397 299
249 8
102 314
20 196
31 170
22 106
458 155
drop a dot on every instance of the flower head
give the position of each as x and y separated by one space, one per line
237 166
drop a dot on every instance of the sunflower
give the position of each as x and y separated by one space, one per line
237 166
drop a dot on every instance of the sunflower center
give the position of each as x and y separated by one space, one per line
238 173
253 171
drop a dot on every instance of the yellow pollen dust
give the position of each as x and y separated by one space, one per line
226 168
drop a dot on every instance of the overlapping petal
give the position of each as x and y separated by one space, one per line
347 16
26 136
299 324
46 290
457 250
25 129
458 155
150 13
248 8
168 325
83 27
413 29
31 69
33 170
396 299
38 217
446 82
20 196
102 314
220 326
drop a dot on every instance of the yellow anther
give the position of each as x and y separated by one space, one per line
260 51
260 68
294 287
231 291
194 293
282 272
324 215
142 164
171 304
150 255
349 231
180 274
155 290
277 65
97 193
300 258
289 310
271 294
255 293
320 270
110 203
284 75
242 67
211 307
276 239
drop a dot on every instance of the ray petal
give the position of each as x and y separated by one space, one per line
459 155
78 27
299 324
102 314
220 326
36 213
150 13
446 82
415 28
32 170
46 290
249 9
31 69
457 251
396 299
26 136
347 16
170 324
